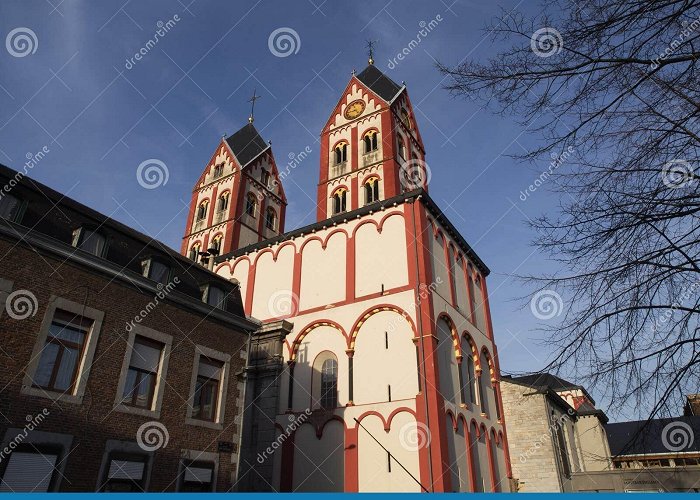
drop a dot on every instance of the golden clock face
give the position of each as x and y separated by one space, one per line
354 109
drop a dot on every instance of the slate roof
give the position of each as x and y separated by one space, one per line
379 83
546 380
246 144
647 436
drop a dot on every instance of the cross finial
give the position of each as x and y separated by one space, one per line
370 50
252 106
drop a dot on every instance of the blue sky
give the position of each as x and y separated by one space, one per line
99 119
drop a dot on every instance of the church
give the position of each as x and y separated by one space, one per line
376 367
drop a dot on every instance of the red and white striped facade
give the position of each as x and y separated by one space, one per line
392 293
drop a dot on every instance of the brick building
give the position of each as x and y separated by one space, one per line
119 356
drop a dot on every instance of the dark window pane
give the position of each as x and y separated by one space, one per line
9 207
42 377
64 375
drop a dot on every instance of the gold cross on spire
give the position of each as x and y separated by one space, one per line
252 106
370 50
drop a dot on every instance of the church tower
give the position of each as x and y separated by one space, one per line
371 148
238 199
375 368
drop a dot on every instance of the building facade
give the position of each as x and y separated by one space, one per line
376 369
119 356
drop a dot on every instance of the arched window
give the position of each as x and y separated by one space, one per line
484 384
371 141
265 178
329 383
339 201
371 190
250 204
402 148
270 218
341 153
216 243
223 202
405 118
202 210
194 251
468 373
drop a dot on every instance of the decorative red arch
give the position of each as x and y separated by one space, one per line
304 332
324 241
380 224
371 312
453 332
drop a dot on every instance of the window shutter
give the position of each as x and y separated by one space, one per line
126 469
198 474
28 472
145 357
210 369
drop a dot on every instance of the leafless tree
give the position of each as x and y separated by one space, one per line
616 84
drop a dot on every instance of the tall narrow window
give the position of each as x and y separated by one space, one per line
218 170
402 149
371 142
223 202
143 373
265 178
339 201
194 252
371 190
250 204
206 392
329 383
216 243
60 357
270 219
341 153
202 210
405 119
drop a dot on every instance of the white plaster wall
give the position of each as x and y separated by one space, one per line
319 463
381 257
373 468
439 265
377 367
272 281
323 272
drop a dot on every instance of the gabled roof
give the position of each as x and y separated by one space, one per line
654 436
379 83
246 144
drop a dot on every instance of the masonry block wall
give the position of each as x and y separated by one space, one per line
90 424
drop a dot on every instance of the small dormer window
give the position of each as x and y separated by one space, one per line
215 296
265 178
10 207
156 270
89 241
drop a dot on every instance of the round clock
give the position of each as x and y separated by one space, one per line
354 109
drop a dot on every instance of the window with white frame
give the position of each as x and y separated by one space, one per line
142 374
207 389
